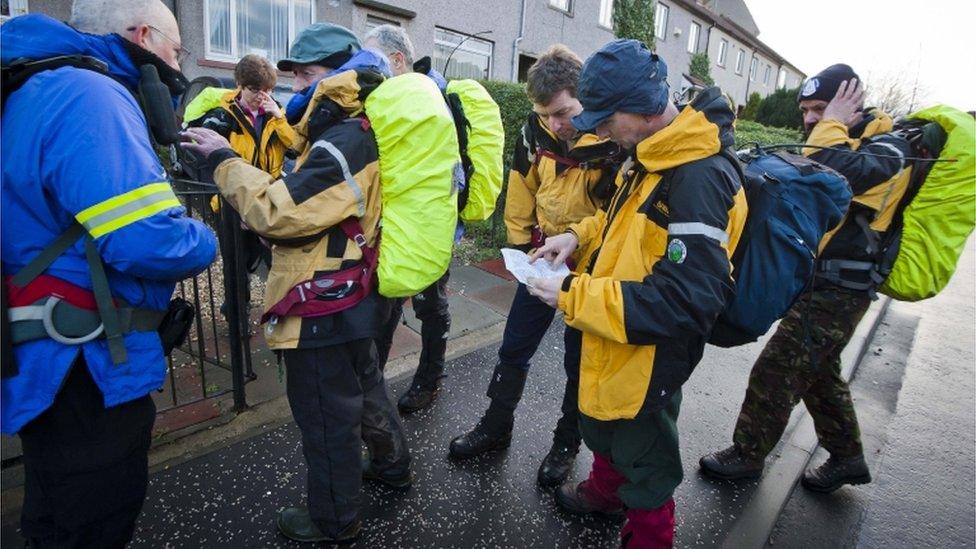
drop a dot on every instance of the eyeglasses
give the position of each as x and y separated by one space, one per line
181 52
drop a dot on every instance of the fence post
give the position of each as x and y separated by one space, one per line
229 243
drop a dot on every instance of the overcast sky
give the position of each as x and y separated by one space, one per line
934 38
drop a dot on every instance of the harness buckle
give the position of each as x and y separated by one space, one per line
48 321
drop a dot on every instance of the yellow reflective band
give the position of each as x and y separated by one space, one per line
121 210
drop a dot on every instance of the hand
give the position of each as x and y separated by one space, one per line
546 289
203 141
846 104
270 105
556 249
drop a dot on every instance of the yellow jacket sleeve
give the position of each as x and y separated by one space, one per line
594 306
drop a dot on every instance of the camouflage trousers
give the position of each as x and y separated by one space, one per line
802 361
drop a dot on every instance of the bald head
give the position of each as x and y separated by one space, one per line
147 23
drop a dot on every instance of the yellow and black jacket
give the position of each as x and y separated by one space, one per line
265 150
878 183
653 275
336 177
553 194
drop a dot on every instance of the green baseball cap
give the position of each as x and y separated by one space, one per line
317 42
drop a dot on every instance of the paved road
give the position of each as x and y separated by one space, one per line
915 401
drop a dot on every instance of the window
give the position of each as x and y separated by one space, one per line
470 57
766 77
693 33
562 5
739 56
781 79
235 28
372 22
660 20
12 8
752 69
723 50
606 13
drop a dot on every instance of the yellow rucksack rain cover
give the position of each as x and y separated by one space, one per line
486 145
418 154
204 102
941 216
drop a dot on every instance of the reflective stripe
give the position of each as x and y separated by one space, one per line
684 229
341 158
124 209
901 155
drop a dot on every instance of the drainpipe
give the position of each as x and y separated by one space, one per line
515 44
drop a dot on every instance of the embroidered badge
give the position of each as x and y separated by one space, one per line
810 87
677 251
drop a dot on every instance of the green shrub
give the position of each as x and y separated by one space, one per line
700 68
634 19
749 133
752 107
779 109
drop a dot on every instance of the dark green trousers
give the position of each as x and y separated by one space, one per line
644 450
802 361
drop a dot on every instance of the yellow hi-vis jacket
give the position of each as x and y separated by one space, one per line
553 194
652 273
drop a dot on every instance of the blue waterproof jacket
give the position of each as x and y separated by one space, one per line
76 147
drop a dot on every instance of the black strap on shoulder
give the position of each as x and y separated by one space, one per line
20 71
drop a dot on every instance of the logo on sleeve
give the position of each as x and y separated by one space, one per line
677 251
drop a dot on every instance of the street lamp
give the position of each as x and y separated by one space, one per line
448 62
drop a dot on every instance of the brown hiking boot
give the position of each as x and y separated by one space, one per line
836 472
731 464
580 500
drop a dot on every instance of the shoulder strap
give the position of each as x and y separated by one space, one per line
19 72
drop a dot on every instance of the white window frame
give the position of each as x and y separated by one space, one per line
766 76
565 6
723 52
462 47
234 54
753 69
781 79
739 58
606 14
694 31
661 26
16 7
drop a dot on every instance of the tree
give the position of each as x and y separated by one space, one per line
701 68
752 107
780 109
893 94
634 19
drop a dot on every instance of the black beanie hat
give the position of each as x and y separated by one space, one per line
824 85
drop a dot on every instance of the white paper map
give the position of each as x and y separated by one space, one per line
518 264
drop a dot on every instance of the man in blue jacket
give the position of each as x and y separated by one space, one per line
76 151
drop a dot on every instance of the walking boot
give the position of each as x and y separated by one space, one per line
836 472
557 464
494 430
581 499
434 329
731 464
418 397
397 478
295 523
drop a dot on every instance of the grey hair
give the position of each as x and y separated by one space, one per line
391 39
116 16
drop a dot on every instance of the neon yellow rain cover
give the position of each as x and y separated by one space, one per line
207 99
940 218
486 145
418 154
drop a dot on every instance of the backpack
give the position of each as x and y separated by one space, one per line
938 211
793 201
408 114
481 144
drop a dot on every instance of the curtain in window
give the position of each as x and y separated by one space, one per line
219 18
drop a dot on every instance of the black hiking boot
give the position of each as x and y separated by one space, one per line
730 464
556 465
836 472
295 523
494 430
483 438
417 397
578 499
396 478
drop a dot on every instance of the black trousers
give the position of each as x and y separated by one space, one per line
338 397
85 467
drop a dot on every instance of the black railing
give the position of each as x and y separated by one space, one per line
216 358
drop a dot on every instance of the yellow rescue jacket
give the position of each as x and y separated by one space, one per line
653 274
553 194
878 180
265 151
336 177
